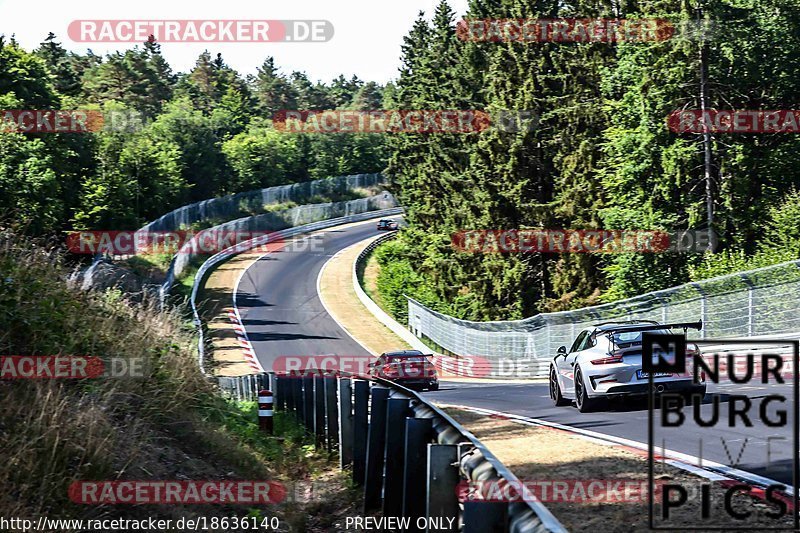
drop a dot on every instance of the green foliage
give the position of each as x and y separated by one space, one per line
191 136
397 278
600 154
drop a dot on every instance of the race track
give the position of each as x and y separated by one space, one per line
280 307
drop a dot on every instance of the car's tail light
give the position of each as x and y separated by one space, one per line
390 371
608 360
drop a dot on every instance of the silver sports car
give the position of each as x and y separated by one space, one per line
605 361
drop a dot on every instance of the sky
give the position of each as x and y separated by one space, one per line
366 41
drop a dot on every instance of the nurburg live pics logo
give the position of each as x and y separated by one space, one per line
667 354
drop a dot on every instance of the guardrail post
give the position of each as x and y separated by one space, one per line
376 448
280 393
308 402
483 517
397 410
440 492
319 411
293 383
345 422
418 436
332 412
360 429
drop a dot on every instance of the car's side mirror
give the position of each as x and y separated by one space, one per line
562 350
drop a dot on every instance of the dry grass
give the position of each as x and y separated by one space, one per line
168 424
539 453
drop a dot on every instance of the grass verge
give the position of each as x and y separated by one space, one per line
164 422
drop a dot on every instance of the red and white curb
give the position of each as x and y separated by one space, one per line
710 470
244 340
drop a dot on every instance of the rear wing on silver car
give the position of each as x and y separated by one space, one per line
648 327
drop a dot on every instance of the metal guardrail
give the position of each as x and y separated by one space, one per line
408 455
275 221
224 255
761 302
230 206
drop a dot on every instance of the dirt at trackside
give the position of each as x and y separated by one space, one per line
545 454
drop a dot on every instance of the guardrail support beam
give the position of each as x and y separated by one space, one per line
376 448
308 402
419 432
331 412
360 429
319 411
345 422
485 517
397 410
440 491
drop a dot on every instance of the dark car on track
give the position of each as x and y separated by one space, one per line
387 224
409 368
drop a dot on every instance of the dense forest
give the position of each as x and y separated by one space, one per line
204 133
601 155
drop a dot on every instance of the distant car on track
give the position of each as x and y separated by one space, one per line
605 361
387 224
409 368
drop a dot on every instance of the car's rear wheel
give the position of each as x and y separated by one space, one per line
582 400
555 390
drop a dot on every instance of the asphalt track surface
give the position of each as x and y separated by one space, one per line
281 310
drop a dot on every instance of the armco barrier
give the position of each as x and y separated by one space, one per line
276 221
407 454
224 255
230 207
756 303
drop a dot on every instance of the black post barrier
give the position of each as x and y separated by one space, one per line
319 411
331 413
419 433
278 393
345 422
397 409
360 429
308 402
442 501
376 448
294 384
299 398
485 517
